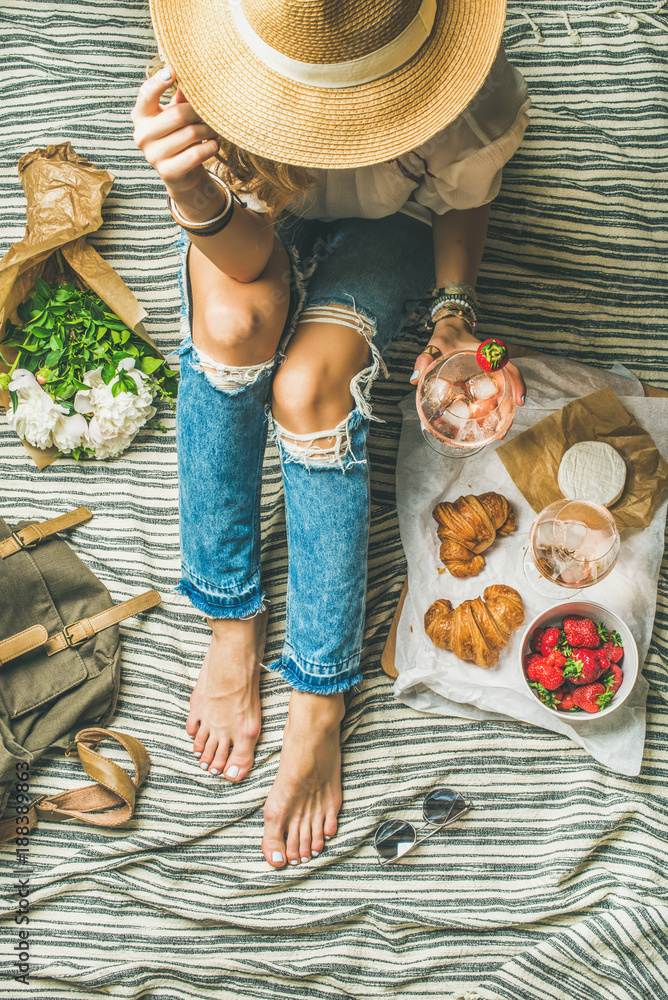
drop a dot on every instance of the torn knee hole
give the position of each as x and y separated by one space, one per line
320 448
339 315
350 316
229 378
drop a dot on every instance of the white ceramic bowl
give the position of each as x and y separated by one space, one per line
585 609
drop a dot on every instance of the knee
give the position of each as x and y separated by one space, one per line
303 392
229 326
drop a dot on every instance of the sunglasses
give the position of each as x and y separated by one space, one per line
395 838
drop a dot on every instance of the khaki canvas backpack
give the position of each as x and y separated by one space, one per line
60 653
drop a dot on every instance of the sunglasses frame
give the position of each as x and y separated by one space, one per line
449 820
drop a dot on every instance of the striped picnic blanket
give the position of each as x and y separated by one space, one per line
554 886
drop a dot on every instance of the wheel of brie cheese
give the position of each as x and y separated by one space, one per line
592 470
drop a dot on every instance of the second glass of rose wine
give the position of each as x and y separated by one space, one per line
572 544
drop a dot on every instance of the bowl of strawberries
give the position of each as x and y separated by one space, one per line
580 660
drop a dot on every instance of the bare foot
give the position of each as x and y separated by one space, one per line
225 719
302 806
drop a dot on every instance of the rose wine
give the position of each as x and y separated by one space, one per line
574 543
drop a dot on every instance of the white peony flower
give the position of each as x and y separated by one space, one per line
70 432
116 419
36 414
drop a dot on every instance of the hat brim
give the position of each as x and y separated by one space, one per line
278 118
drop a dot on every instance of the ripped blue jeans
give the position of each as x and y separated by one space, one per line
356 272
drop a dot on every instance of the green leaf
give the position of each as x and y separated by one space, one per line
22 312
33 348
101 330
149 365
116 389
38 303
52 358
43 289
37 320
96 312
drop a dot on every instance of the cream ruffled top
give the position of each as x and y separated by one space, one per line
460 167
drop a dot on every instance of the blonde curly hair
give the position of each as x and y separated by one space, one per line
276 185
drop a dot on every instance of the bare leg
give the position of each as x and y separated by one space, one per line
237 324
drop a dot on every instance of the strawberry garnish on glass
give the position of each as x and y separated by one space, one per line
492 355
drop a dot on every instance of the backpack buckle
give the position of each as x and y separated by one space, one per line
22 543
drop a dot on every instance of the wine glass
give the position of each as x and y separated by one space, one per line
572 544
461 407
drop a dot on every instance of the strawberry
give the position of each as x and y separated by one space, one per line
581 632
592 697
567 702
531 659
614 652
585 666
536 639
611 641
612 677
492 355
549 640
546 672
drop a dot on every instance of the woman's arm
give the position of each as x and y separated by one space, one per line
176 143
459 241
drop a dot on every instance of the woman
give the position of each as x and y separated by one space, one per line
345 127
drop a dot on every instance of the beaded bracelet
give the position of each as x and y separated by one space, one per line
211 226
455 300
458 314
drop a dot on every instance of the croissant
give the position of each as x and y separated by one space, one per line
476 630
468 526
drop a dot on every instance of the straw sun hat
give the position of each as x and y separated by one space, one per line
329 83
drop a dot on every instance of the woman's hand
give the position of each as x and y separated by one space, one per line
452 334
172 137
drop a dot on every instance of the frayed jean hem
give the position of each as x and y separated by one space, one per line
308 683
249 606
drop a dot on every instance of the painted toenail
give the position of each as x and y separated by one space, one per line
203 765
198 753
276 856
305 860
315 854
294 862
213 770
232 772
327 838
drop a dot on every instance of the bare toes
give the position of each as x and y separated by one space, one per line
317 839
209 752
273 848
330 826
305 843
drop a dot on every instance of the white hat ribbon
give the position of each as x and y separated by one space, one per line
351 73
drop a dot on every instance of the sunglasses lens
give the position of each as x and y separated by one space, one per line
394 838
442 804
